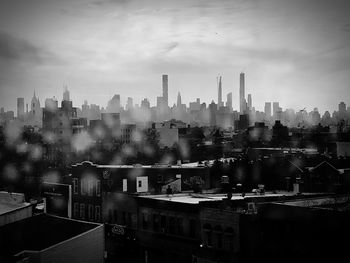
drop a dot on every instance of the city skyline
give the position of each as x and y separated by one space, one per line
128 101
290 52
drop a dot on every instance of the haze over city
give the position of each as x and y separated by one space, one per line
294 52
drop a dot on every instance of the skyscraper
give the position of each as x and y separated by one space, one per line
36 111
20 107
220 103
275 108
229 101
178 104
145 104
165 90
129 103
242 101
212 113
250 101
114 104
268 109
66 96
342 107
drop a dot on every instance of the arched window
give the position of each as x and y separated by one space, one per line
228 238
207 234
218 236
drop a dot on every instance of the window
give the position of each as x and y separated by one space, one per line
180 226
208 234
124 218
90 186
76 210
75 185
97 213
82 211
218 236
110 216
156 223
160 178
172 225
219 240
91 212
98 187
224 179
163 223
115 216
228 238
82 187
209 239
129 222
141 184
125 185
144 220
193 228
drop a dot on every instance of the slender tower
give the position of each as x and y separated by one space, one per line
66 96
250 104
229 101
165 90
242 101
20 107
220 103
179 103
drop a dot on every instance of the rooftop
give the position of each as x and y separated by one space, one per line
11 201
195 198
115 166
39 232
7 208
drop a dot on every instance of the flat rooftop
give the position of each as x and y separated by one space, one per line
11 201
194 198
141 166
7 208
39 232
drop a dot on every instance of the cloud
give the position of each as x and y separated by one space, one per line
346 27
13 49
171 46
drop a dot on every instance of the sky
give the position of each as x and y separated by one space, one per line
295 52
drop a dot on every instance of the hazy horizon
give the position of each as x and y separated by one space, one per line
294 52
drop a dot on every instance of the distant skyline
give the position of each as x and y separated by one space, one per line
294 52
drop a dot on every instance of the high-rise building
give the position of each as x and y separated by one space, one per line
229 100
250 106
212 113
114 104
66 96
342 110
20 107
268 109
220 103
36 113
129 103
145 104
275 108
242 101
165 90
342 107
179 103
35 105
85 109
159 102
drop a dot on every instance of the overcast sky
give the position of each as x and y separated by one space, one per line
295 52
